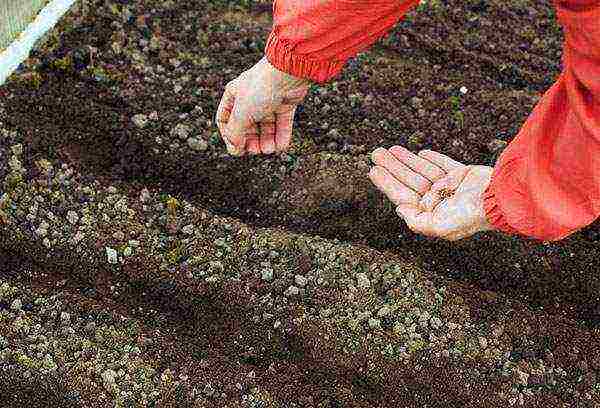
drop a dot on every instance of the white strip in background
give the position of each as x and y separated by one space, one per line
19 49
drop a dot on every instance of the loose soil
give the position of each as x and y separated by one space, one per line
397 93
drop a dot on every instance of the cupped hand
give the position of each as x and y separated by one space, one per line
256 112
436 195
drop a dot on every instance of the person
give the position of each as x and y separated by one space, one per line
545 184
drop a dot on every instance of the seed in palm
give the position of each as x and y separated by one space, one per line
446 193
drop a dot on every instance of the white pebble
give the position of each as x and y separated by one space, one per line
292 291
301 281
112 255
16 304
140 120
436 323
463 90
363 281
72 217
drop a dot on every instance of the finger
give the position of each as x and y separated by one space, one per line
441 160
422 166
224 110
253 144
397 192
284 123
267 134
402 172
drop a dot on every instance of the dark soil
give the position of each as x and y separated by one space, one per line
506 54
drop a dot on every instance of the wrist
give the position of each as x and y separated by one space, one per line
485 223
285 78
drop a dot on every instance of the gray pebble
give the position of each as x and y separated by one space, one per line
16 304
197 144
374 323
267 274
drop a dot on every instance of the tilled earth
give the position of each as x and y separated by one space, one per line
143 266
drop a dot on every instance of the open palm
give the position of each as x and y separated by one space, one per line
436 195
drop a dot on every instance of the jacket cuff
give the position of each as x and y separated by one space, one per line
494 214
279 54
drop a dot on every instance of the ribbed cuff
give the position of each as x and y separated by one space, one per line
279 54
494 214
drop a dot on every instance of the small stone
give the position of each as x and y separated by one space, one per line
267 274
188 229
363 281
520 377
17 149
16 304
374 323
112 255
436 323
127 251
65 317
292 291
483 342
140 120
109 377
301 281
182 131
90 328
463 90
384 311
119 236
197 144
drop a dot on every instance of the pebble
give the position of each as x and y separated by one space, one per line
301 281
72 217
65 317
188 229
374 323
16 304
109 377
292 291
182 131
436 323
267 274
197 144
90 328
363 281
119 236
112 255
384 311
483 342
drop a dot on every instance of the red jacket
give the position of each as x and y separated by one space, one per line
546 183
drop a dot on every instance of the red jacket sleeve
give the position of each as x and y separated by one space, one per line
313 39
546 184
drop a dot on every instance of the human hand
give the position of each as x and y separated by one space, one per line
256 112
436 195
